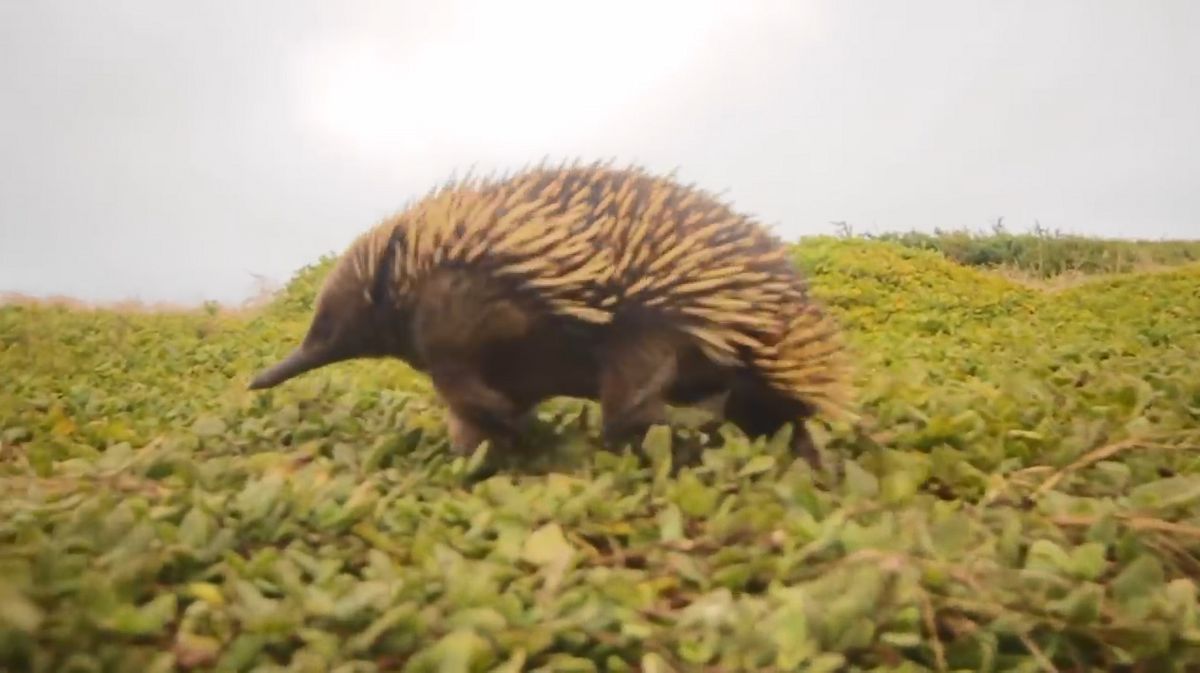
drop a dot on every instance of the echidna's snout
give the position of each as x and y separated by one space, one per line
297 362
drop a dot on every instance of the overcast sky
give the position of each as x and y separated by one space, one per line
169 150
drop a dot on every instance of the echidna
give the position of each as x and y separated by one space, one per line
585 281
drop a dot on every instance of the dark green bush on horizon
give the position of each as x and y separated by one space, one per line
1046 254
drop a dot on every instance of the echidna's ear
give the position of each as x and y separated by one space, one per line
297 362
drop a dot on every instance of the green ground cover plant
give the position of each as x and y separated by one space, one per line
1022 495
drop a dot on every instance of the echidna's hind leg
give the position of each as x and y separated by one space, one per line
637 367
759 410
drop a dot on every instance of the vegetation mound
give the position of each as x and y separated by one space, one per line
1024 494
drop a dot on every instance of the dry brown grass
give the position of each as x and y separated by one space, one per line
256 301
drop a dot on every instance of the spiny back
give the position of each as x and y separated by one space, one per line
520 229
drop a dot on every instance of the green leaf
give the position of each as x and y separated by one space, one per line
459 651
790 634
1181 599
207 592
144 620
382 624
670 523
896 487
693 497
208 426
859 482
196 529
241 652
653 663
1046 556
1081 606
259 497
657 446
17 611
1166 493
1140 579
478 456
514 664
1088 561
757 465
828 662
569 664
547 545
952 533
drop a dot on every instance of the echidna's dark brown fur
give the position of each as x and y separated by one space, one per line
584 281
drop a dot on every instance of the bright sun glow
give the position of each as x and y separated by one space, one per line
508 74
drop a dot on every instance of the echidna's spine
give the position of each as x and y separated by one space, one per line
723 279
810 363
679 252
516 232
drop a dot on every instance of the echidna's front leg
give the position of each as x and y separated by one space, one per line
637 369
467 427
465 436
477 412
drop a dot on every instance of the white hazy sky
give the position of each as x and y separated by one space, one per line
169 150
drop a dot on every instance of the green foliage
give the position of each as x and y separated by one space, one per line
1023 493
1045 254
296 300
